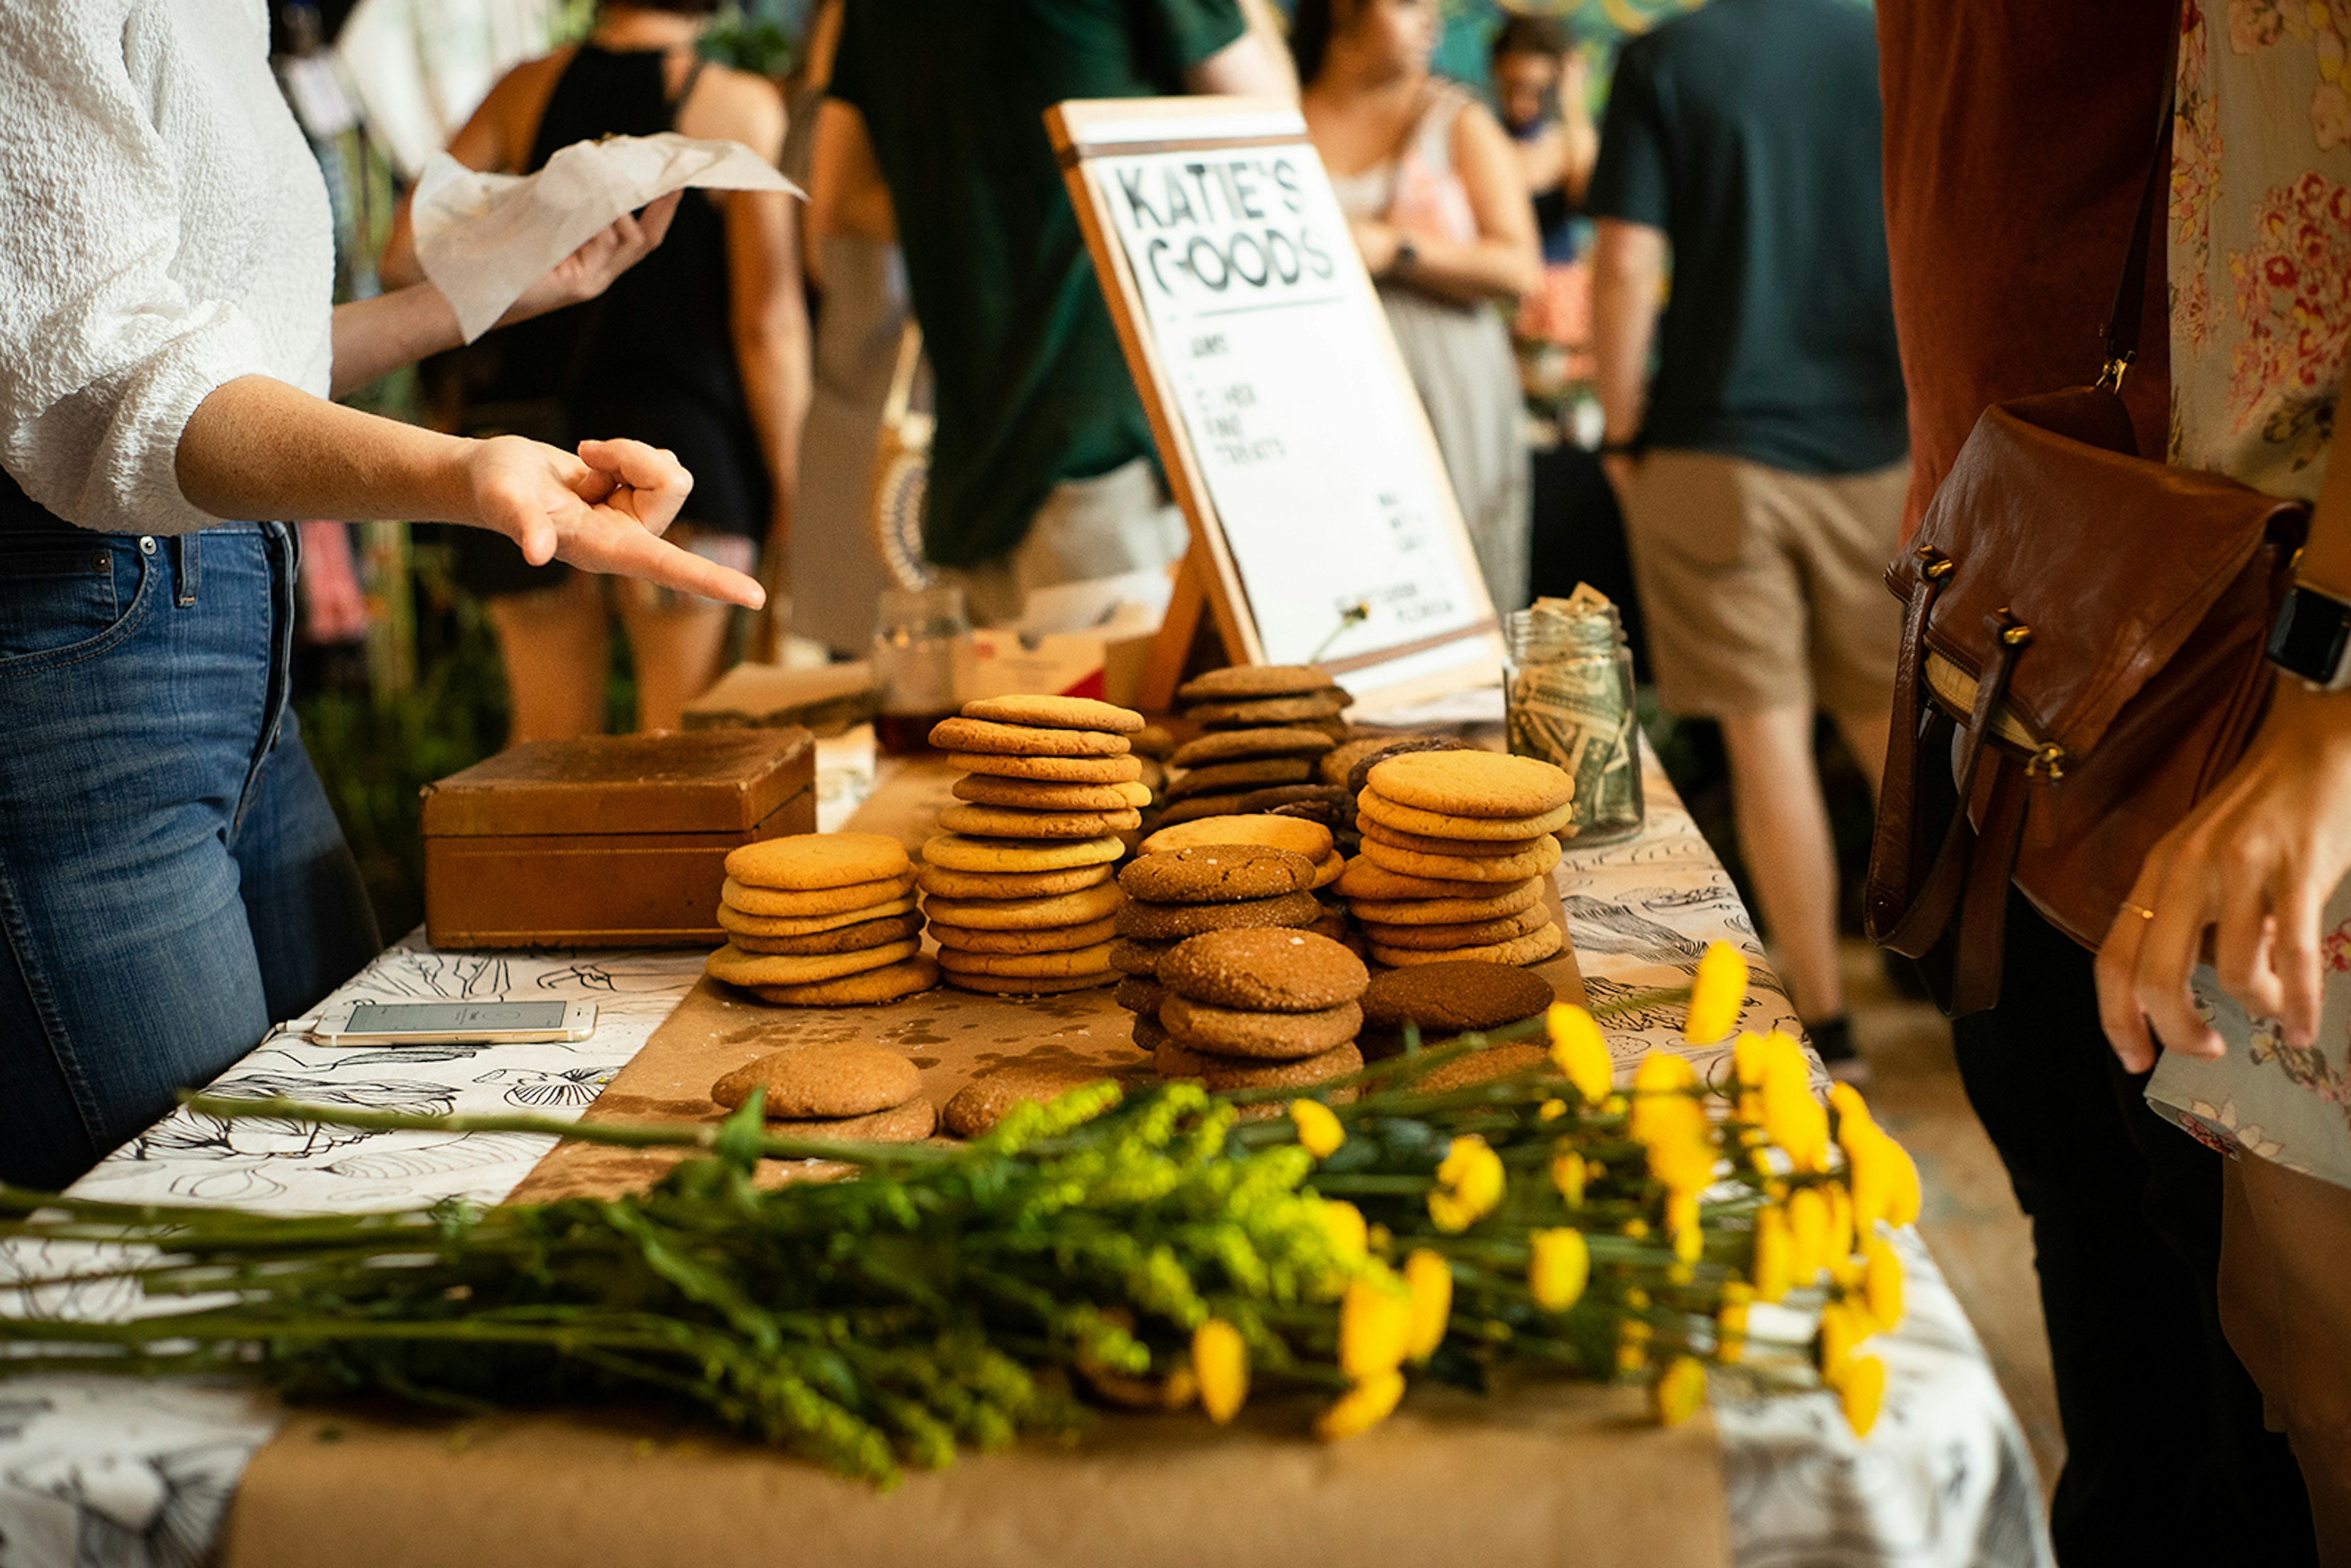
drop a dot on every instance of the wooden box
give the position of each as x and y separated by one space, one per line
609 840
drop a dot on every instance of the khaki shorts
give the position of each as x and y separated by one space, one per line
1763 589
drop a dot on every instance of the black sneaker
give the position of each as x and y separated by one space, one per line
1833 1038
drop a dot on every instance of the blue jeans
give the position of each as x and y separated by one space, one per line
172 877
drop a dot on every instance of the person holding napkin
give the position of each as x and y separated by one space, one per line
172 878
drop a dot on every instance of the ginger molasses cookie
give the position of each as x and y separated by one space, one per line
1437 825
1466 868
1396 838
1308 838
738 968
956 852
1233 745
1050 770
1161 922
1200 807
1056 712
957 962
1222 1074
1029 985
1533 947
887 984
803 862
1268 970
1473 783
1245 680
1133 956
1277 1037
846 1079
840 939
1455 997
1154 740
1015 822
1466 934
1239 778
1216 873
1369 753
939 880
743 924
979 1104
907 1124
794 904
1479 1066
1034 939
979 734
1140 994
1265 713
1333 805
1088 904
1037 795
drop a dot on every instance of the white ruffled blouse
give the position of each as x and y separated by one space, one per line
164 229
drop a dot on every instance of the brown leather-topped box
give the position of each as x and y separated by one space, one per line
609 840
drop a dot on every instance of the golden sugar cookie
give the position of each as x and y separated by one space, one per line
1506 900
1172 1058
1096 903
945 883
956 852
737 967
1397 838
736 921
1216 873
1264 971
1270 1037
1241 682
1474 783
840 939
1160 922
1056 712
792 904
1533 947
1333 867
1439 825
1039 939
1028 985
865 988
1366 878
1037 795
1242 745
979 734
1050 770
1014 822
803 862
1296 834
907 1124
1466 868
846 1078
1090 960
1462 934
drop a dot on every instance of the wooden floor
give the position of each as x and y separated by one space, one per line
1970 1218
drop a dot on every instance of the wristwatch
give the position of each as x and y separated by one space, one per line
2311 637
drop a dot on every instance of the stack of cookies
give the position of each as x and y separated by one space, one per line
845 1091
1223 767
1258 1009
1017 890
1456 998
1183 891
822 920
1456 845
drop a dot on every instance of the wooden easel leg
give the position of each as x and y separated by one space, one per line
1186 624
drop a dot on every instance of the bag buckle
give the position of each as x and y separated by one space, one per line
2110 377
1935 565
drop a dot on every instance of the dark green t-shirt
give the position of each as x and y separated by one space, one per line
1031 386
1749 132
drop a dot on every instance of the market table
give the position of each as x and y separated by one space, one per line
97 1471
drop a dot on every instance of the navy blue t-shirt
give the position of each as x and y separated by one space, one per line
1749 132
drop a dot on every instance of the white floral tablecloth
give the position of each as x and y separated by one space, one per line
103 1473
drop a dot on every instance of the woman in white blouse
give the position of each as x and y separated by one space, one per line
170 876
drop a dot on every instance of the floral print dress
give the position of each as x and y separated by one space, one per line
2261 318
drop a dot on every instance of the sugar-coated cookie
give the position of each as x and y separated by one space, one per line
1236 745
1088 904
959 734
1160 922
979 1104
804 863
1278 1037
907 1124
790 904
738 968
736 921
1026 984
841 939
848 1078
1308 838
1134 955
1466 868
1240 682
1266 970
945 883
1139 994
1056 712
1041 939
1172 1058
1265 713
1090 960
1474 783
1441 825
1017 822
1039 795
1533 947
866 988
1380 832
1239 778
1216 873
1465 934
958 853
1050 770
1455 995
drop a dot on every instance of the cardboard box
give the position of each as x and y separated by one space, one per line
608 841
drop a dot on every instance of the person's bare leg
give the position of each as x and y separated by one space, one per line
1784 836
679 649
556 646
1865 736
2296 1338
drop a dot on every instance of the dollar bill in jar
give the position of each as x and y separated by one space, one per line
1568 692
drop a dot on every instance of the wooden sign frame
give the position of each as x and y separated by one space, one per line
1210 589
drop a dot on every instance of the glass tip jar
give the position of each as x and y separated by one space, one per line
1568 696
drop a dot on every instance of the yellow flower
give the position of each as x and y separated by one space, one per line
1881 1282
1792 1118
1558 1268
1319 1131
1220 1361
1681 1225
1372 1401
1775 1265
1683 1163
1678 1390
1808 1233
1469 1184
1551 1109
1567 1175
1344 1224
1374 1326
1665 1108
1718 996
1730 1323
1428 1283
1747 1059
1632 1347
1869 1159
1843 1328
1580 1051
1839 1249
1863 1393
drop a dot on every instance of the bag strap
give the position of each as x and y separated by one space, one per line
2125 321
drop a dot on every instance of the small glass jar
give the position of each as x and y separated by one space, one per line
921 660
1568 691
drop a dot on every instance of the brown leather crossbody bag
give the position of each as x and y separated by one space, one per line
2083 659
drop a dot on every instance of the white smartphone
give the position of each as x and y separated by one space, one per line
496 1022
